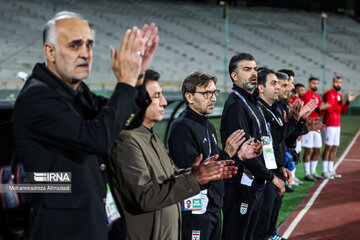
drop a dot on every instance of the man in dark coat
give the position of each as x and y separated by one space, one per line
60 126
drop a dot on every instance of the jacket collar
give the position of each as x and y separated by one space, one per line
191 114
83 96
273 108
42 73
145 133
264 103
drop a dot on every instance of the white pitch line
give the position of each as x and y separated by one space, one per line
303 211
351 160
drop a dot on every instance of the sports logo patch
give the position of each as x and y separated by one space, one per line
243 208
195 235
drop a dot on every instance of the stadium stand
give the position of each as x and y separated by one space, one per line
192 39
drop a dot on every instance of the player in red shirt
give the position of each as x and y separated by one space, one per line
331 119
299 93
312 140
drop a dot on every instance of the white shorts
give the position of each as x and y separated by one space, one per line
298 146
331 136
311 140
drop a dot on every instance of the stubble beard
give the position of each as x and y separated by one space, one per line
250 86
337 88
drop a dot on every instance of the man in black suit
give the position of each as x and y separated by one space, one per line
61 126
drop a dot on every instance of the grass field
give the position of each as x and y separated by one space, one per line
350 124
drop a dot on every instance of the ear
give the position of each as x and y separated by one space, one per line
189 97
49 50
234 76
261 88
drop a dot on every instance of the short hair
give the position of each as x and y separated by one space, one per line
262 75
289 72
151 75
313 79
49 31
234 61
196 79
299 85
282 76
336 77
260 69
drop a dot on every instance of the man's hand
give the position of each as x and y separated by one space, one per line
285 115
287 175
234 141
151 39
212 170
324 106
342 96
312 125
352 97
280 184
294 110
248 150
308 108
126 63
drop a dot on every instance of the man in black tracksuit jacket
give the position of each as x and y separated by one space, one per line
268 91
192 134
283 131
244 192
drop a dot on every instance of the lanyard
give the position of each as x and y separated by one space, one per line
278 120
252 112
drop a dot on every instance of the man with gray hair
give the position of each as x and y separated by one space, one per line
61 126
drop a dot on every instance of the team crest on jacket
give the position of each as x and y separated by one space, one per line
243 208
195 235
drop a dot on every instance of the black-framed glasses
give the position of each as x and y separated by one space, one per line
209 94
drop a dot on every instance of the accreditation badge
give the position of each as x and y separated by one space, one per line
193 203
112 212
268 153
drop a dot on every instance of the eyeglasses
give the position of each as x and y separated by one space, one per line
209 94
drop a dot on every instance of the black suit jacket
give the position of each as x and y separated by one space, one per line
58 129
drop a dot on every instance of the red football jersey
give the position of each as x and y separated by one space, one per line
307 97
332 115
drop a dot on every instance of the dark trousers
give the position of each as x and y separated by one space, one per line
241 211
269 212
209 225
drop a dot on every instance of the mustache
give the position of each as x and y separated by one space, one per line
83 62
